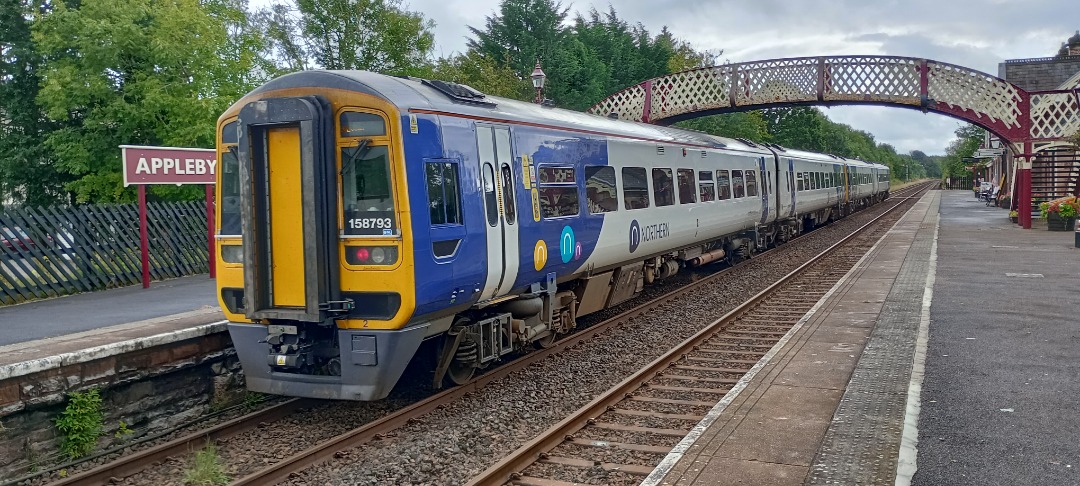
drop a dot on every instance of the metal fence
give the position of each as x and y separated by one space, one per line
47 252
958 183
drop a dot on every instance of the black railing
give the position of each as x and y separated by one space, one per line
47 252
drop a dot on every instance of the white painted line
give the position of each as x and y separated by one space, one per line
680 449
909 440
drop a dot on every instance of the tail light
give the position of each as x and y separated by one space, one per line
371 255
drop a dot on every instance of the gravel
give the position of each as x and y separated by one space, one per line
452 445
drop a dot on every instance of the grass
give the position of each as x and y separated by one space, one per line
206 469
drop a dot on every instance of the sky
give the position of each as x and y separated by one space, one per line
977 34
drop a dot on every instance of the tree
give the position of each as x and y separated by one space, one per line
372 35
28 174
748 124
967 141
143 72
482 74
523 32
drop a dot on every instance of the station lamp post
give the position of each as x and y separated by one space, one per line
538 78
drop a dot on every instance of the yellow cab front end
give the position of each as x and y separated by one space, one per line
313 234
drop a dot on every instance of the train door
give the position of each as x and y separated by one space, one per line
768 212
497 181
287 197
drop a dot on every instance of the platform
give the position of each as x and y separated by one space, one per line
948 355
85 326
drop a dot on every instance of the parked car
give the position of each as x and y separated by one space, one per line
16 239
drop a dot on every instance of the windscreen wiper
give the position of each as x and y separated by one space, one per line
362 148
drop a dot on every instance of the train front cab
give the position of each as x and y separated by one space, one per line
313 276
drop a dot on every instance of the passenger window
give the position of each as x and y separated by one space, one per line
368 193
686 186
723 185
635 188
737 184
799 181
491 201
663 187
751 183
558 191
508 194
600 189
706 188
442 182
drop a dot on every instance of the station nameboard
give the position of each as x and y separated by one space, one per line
168 165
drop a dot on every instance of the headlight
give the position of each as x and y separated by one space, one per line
232 253
371 255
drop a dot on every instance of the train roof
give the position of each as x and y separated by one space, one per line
417 94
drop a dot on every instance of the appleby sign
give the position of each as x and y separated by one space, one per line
169 165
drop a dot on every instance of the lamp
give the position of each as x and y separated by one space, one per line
538 78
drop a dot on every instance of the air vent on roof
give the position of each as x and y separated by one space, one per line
459 92
659 150
747 142
704 154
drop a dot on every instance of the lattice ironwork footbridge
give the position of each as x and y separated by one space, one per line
1029 121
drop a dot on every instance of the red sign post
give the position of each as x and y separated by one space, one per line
170 165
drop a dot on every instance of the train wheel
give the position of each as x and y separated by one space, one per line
546 341
463 365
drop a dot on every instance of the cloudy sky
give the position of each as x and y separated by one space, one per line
973 33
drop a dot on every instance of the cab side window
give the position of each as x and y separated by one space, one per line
443 198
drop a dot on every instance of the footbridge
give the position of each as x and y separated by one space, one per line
1029 122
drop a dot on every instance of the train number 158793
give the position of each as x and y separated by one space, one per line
371 223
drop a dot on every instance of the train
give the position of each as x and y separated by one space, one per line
365 221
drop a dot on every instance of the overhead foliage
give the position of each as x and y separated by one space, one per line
967 141
27 172
373 35
141 72
80 77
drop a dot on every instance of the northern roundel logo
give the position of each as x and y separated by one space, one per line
635 235
567 244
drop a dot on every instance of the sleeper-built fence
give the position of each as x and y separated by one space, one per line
53 251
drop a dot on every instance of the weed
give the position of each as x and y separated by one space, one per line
252 399
122 431
206 470
80 423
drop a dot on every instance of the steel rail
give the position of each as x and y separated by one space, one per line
139 461
511 466
325 451
131 464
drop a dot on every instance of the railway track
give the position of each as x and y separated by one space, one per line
623 434
326 450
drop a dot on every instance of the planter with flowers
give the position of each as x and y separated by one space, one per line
1014 216
1060 214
